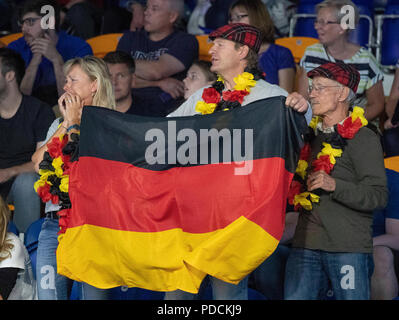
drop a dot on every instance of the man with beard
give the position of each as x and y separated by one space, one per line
24 121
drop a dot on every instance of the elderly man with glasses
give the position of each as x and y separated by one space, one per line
341 182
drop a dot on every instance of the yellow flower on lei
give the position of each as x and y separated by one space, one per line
64 185
328 150
205 108
358 112
301 168
303 200
244 81
57 164
313 123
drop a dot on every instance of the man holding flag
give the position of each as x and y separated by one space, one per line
163 197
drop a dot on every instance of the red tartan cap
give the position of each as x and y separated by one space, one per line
341 72
239 32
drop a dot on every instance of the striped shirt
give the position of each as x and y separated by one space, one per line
363 60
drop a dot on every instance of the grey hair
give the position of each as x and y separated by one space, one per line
337 5
177 6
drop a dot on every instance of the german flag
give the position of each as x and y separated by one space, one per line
159 203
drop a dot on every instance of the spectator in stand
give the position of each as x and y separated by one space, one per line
275 61
87 84
16 277
384 282
117 17
121 68
80 18
162 55
137 8
23 125
332 240
198 76
44 51
335 46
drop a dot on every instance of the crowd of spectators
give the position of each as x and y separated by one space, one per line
153 71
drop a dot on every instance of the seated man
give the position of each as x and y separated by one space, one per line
45 50
121 68
24 121
162 55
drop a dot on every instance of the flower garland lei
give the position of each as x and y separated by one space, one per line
325 160
54 172
216 100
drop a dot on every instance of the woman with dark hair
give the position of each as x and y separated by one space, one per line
275 61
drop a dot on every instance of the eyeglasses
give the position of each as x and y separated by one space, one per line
324 23
29 21
237 17
320 88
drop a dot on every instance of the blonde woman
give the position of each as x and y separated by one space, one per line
16 277
87 83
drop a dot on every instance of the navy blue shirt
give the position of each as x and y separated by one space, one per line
392 209
45 86
276 57
152 101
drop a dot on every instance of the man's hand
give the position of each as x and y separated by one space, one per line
322 180
297 102
46 46
6 174
172 86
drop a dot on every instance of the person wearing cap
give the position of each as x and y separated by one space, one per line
345 179
234 57
235 51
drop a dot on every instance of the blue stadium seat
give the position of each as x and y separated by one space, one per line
31 241
12 228
363 31
306 14
388 52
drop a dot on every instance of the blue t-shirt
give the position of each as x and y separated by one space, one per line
152 101
45 86
276 57
392 209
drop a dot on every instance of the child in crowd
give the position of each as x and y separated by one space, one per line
198 76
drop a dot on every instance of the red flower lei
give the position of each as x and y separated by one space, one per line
325 161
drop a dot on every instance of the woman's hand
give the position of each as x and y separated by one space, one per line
71 108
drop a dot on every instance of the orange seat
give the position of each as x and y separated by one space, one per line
10 38
204 45
104 43
2 45
297 45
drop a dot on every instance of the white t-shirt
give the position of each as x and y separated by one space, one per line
25 286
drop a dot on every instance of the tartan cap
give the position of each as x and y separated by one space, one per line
341 72
239 32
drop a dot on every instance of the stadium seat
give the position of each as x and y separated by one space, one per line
104 43
297 45
10 38
302 23
12 228
31 241
387 53
204 45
